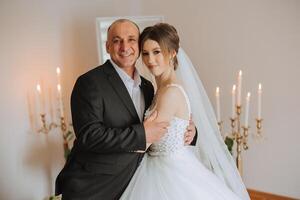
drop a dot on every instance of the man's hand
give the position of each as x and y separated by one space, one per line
154 130
190 133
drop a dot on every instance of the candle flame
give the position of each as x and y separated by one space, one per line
58 87
240 73
233 88
248 95
259 86
38 87
58 70
217 90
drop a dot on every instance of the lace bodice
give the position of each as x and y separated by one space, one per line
173 140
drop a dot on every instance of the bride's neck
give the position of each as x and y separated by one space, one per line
165 79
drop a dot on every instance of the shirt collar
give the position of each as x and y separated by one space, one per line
125 77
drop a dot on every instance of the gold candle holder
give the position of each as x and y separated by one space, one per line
63 127
45 128
238 110
259 126
238 139
232 120
240 136
245 136
220 126
232 135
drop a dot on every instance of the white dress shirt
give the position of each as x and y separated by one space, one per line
133 88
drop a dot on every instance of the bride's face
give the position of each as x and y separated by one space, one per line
153 57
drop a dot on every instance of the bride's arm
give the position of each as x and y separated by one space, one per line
169 104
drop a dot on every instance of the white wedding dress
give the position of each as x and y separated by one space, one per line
170 170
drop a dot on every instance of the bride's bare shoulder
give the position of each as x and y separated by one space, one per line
171 95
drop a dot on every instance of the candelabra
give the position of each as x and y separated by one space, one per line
66 134
239 135
46 128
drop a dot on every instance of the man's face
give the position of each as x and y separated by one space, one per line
122 44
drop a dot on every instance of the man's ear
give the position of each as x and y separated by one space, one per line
107 47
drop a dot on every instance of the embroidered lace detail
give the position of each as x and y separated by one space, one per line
173 140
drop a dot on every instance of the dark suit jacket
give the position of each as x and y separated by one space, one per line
107 130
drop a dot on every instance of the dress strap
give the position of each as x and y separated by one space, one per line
184 94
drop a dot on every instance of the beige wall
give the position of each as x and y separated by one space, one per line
263 39
260 37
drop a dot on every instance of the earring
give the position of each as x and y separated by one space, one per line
171 62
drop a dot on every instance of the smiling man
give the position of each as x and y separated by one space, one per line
108 105
122 45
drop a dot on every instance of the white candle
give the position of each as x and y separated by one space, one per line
40 103
247 109
259 92
61 108
239 88
218 104
50 100
233 93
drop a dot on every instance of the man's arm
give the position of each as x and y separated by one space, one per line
194 141
190 136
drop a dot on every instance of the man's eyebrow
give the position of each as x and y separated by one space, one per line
132 35
116 37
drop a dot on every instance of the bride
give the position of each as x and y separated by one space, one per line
171 170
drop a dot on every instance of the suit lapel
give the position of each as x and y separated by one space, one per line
119 87
146 93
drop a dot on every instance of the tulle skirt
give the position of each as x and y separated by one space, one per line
176 176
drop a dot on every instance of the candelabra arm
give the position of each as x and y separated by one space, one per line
45 128
63 125
259 126
220 127
233 124
239 139
245 137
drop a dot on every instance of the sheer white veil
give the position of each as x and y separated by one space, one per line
211 149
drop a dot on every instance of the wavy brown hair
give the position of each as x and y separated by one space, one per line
165 35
